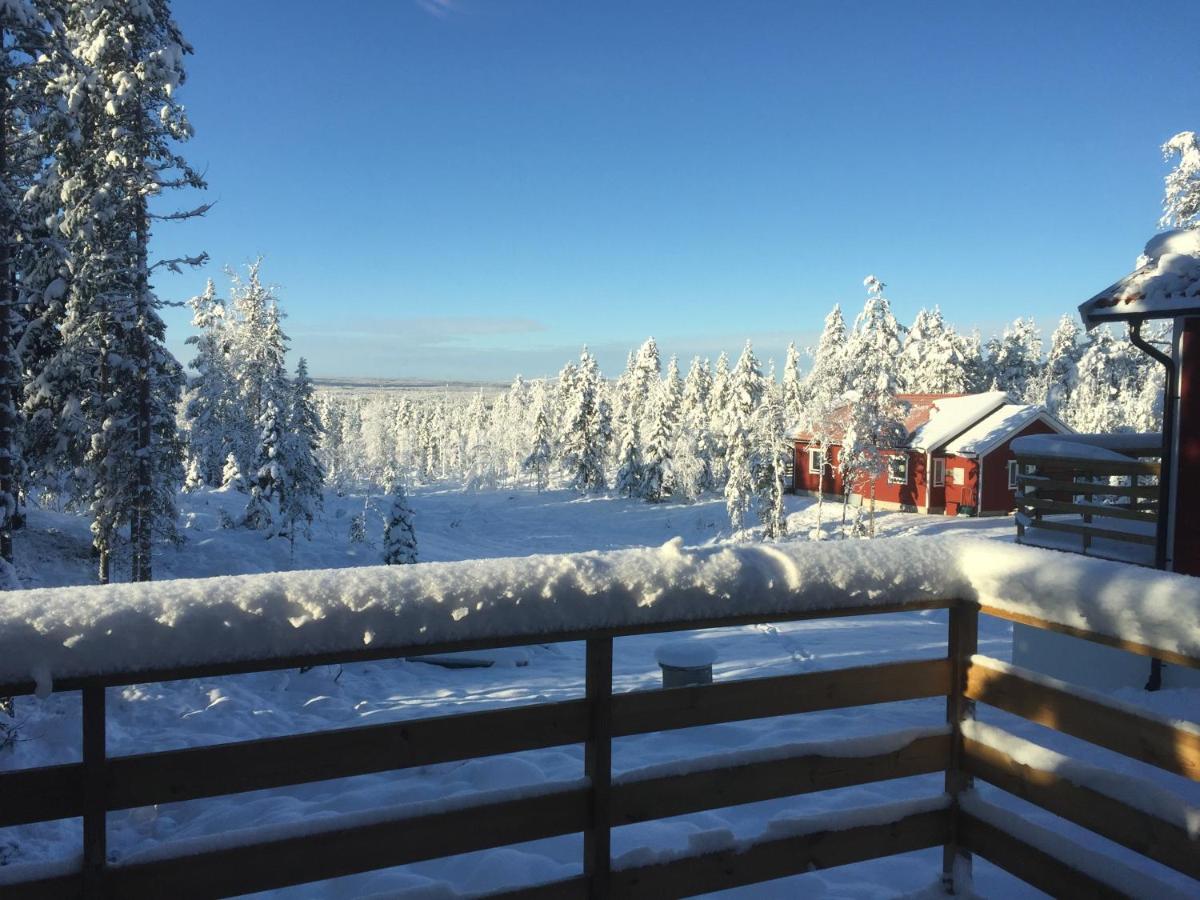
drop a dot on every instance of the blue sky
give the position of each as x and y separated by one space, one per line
466 189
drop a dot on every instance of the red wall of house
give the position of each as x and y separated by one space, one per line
804 480
996 494
1187 485
962 477
911 493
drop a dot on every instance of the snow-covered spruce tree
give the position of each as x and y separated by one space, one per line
1058 374
211 409
1115 389
745 393
256 350
1014 361
694 450
934 358
825 393
540 457
31 55
768 461
793 386
1181 198
231 475
271 477
304 475
589 428
719 401
874 424
658 474
399 534
629 461
111 382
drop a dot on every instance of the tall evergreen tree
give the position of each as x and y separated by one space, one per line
589 428
303 472
874 413
1059 373
1181 198
1014 361
399 534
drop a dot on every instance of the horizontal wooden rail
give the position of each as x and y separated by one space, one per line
1031 863
376 653
1129 537
1142 832
41 795
1099 467
346 851
1097 510
676 795
1170 656
755 698
1088 488
1140 737
778 858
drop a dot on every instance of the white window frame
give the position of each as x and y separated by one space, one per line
1013 471
937 471
815 468
903 457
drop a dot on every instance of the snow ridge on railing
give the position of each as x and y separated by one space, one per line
55 633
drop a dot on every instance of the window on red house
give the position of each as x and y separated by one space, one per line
898 469
937 472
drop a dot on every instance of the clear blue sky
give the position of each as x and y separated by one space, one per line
474 188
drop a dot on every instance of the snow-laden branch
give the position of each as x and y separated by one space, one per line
176 265
70 632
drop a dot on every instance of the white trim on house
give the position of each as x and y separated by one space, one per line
1012 475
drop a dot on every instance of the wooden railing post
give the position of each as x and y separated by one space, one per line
95 807
597 767
963 640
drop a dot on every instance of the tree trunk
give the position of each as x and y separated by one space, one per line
144 502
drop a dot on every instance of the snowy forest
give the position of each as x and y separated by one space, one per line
99 417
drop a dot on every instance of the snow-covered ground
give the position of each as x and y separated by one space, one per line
453 525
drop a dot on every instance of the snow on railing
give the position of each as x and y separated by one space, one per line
72 633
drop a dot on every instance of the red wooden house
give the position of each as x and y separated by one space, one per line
956 458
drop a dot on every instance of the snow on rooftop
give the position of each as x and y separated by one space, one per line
994 429
953 415
55 633
1166 282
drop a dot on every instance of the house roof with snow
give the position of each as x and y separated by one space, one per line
929 419
995 429
1165 284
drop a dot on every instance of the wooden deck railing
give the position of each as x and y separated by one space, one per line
1089 491
245 862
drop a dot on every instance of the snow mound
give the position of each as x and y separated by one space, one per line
54 633
685 655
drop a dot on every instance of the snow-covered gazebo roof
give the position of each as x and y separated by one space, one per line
1165 284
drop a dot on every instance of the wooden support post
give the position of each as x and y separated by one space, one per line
963 641
95 813
597 766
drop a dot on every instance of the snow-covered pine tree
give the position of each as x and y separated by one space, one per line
399 533
111 381
873 425
194 479
793 386
1106 392
768 461
1014 361
210 410
745 393
825 392
231 475
1058 374
270 479
934 358
304 475
629 475
658 475
540 458
1181 198
589 428
31 54
719 401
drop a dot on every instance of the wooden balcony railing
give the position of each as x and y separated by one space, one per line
255 860
1093 501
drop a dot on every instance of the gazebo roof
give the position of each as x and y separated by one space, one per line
1165 284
